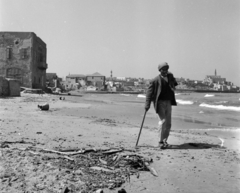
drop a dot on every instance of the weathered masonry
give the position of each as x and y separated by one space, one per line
23 57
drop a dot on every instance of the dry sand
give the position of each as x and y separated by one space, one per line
95 121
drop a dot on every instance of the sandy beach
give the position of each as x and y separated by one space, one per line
198 160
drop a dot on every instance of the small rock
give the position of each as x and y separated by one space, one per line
4 145
122 191
79 172
44 107
66 190
99 191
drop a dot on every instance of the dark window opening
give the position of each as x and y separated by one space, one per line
23 53
9 53
40 54
41 58
2 71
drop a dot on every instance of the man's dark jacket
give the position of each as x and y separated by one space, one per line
154 91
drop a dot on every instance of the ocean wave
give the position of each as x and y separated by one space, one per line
141 96
182 102
221 102
125 94
221 107
182 94
209 95
233 129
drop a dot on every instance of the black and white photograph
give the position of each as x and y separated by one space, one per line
119 96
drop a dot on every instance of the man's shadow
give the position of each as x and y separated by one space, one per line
187 146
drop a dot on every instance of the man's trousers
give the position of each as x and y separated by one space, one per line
165 119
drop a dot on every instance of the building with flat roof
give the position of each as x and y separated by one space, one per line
96 79
23 57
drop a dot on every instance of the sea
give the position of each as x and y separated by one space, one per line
219 111
208 110
217 114
198 110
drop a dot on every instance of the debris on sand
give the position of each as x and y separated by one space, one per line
44 107
80 170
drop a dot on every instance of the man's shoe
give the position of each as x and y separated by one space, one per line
161 145
166 144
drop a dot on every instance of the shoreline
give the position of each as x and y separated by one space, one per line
137 92
206 91
191 165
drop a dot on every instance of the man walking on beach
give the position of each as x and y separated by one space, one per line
161 93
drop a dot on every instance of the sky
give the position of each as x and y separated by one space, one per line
131 37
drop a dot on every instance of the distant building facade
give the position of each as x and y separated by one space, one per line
51 79
96 79
75 81
211 79
23 57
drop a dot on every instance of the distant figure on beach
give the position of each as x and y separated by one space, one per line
161 93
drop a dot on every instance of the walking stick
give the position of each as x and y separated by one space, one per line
141 127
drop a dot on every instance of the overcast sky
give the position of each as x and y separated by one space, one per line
131 37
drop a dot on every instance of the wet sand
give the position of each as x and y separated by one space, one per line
198 160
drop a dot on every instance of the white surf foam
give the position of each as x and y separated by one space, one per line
227 129
182 102
125 94
141 96
221 107
221 102
209 95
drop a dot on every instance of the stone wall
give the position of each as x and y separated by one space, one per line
15 57
4 88
23 57
14 88
9 87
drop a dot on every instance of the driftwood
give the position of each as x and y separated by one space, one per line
126 156
151 169
102 169
64 153
113 151
103 161
11 142
93 167
68 158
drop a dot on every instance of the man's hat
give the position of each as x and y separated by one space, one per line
160 66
